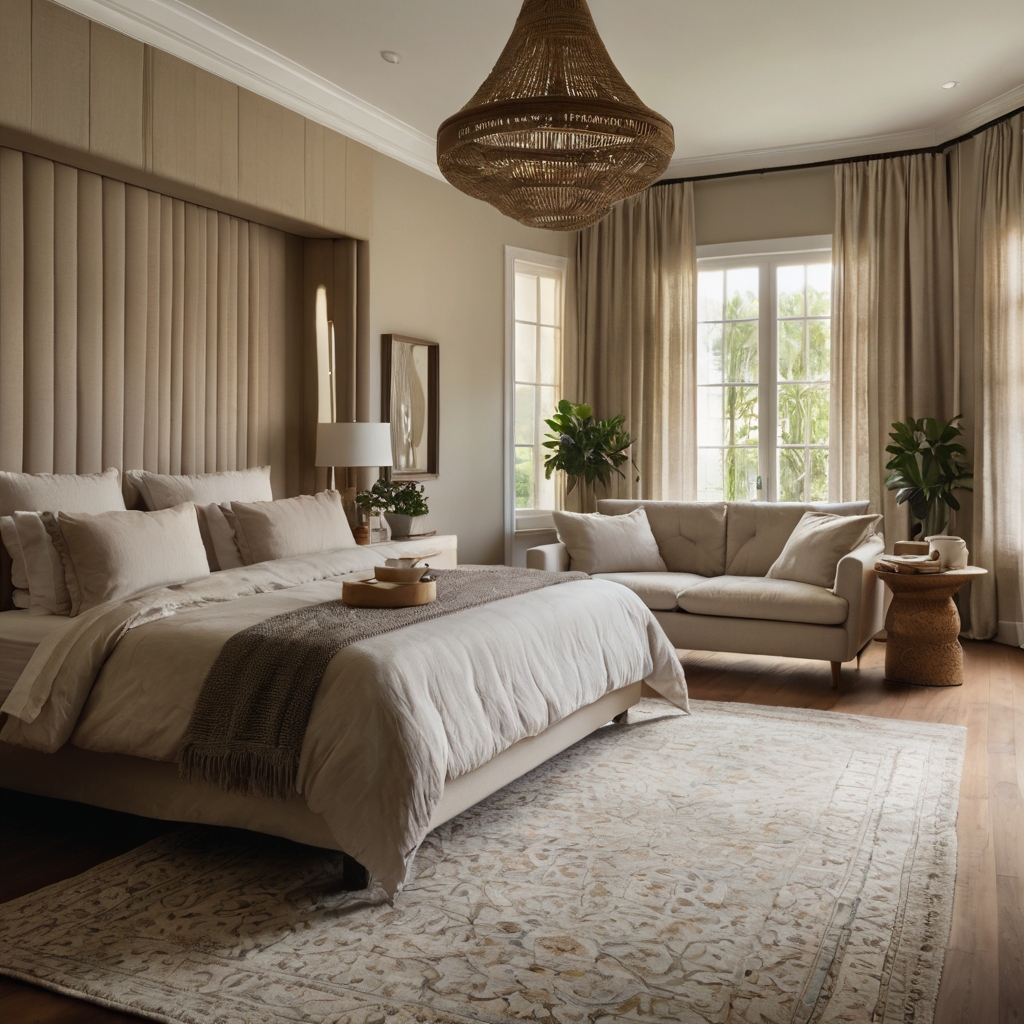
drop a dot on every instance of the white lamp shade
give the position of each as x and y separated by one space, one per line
353 444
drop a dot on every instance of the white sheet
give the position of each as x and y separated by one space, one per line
20 635
394 715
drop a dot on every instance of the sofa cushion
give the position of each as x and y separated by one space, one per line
598 543
757 531
816 545
690 534
746 597
658 590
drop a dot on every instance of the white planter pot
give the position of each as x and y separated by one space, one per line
406 526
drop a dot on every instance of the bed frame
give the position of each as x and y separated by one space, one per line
152 789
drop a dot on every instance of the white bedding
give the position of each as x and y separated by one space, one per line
20 634
394 715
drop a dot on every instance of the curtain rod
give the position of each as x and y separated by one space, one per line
849 159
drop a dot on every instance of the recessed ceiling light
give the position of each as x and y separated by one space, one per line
396 58
950 85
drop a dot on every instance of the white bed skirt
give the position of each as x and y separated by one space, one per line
152 789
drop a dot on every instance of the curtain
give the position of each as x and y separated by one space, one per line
999 385
893 318
636 292
138 331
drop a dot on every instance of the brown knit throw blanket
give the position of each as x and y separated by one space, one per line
250 719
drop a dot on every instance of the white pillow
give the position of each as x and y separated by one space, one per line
208 491
306 525
599 543
48 590
162 490
111 556
816 545
68 492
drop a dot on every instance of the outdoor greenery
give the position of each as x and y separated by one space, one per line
928 464
584 448
404 499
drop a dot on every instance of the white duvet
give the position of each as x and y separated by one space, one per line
394 715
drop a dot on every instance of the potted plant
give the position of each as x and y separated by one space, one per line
402 504
928 464
584 448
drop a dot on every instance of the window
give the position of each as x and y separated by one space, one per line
763 370
535 285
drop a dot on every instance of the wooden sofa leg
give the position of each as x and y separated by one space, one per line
837 667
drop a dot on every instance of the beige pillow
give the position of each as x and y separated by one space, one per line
208 491
598 543
47 588
68 492
306 525
816 545
111 556
9 535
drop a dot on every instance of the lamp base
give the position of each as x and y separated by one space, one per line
361 534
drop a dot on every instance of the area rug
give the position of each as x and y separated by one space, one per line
740 864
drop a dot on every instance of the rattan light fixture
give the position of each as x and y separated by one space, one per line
554 137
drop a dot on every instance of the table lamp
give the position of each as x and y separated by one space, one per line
353 445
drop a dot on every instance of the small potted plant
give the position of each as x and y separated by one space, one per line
403 505
928 464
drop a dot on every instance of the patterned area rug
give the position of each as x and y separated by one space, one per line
740 864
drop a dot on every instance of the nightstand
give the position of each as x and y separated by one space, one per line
447 544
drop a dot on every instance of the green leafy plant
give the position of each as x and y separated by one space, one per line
928 464
404 499
585 448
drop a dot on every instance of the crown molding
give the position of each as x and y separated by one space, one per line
181 30
178 29
896 142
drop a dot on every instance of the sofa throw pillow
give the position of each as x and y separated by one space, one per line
289 528
208 491
9 536
598 543
114 555
817 543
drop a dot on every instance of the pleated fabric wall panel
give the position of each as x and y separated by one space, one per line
137 330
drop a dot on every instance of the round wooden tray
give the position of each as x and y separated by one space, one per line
388 595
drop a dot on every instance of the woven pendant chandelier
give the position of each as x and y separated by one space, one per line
554 137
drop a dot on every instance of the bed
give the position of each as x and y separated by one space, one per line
407 729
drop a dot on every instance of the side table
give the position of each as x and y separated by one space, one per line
922 626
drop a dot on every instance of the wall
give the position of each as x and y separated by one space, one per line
437 272
76 91
786 204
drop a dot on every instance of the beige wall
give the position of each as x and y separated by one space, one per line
437 265
785 204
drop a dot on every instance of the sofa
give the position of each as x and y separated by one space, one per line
715 595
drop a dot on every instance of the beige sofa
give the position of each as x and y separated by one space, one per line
715 596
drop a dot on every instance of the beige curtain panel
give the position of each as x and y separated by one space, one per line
636 294
999 384
138 331
893 332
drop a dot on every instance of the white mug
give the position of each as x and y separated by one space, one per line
952 551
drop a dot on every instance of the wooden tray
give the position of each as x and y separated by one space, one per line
388 595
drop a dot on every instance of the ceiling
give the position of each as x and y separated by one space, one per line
746 83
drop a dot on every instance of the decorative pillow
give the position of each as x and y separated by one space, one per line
48 590
9 535
306 525
598 543
816 545
20 599
111 556
208 491
68 492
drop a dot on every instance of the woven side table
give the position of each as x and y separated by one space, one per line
922 626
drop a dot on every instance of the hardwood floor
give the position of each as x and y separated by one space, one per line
983 982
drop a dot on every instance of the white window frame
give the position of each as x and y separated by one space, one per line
767 254
524 519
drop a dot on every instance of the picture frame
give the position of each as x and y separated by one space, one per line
410 402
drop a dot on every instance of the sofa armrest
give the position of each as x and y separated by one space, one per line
549 557
857 583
